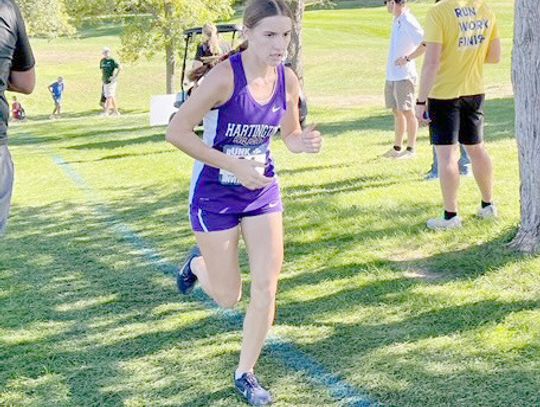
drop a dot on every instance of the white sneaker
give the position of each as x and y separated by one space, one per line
406 155
489 212
392 153
443 224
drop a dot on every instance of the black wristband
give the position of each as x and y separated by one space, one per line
407 58
420 103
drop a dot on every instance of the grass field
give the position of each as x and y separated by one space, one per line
399 315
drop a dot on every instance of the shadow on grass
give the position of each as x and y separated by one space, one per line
435 318
499 125
469 263
499 119
204 399
51 131
67 268
349 185
465 264
66 117
381 122
76 266
499 115
120 156
105 145
310 169
16 140
63 264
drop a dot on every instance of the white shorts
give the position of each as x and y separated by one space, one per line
109 89
6 185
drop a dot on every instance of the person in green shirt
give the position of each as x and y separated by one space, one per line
109 78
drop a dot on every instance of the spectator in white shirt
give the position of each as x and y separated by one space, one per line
407 35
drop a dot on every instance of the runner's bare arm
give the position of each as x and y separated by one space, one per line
216 88
211 93
297 140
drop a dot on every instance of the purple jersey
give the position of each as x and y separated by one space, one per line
242 128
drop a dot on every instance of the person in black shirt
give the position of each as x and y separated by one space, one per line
211 46
207 55
17 74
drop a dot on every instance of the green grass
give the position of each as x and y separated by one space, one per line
411 317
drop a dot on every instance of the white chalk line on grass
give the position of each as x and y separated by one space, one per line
290 355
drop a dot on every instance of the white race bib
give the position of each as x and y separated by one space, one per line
257 153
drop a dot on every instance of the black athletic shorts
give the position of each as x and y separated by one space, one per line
456 120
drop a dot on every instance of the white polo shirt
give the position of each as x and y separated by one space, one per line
407 35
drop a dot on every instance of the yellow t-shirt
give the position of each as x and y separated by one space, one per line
464 28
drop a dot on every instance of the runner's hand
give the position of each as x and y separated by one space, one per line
248 173
311 139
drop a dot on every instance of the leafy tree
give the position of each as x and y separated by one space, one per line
46 18
152 26
86 9
158 26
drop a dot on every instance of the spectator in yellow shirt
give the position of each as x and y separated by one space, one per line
460 36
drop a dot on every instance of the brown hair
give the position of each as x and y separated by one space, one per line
255 11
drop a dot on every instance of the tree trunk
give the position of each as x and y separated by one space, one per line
526 83
170 55
295 46
170 49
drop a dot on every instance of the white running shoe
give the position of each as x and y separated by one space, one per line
443 224
392 153
406 155
489 212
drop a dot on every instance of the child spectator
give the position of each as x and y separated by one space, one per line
17 111
57 93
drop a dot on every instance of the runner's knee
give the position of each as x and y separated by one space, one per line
227 299
263 297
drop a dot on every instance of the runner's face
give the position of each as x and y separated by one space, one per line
270 38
